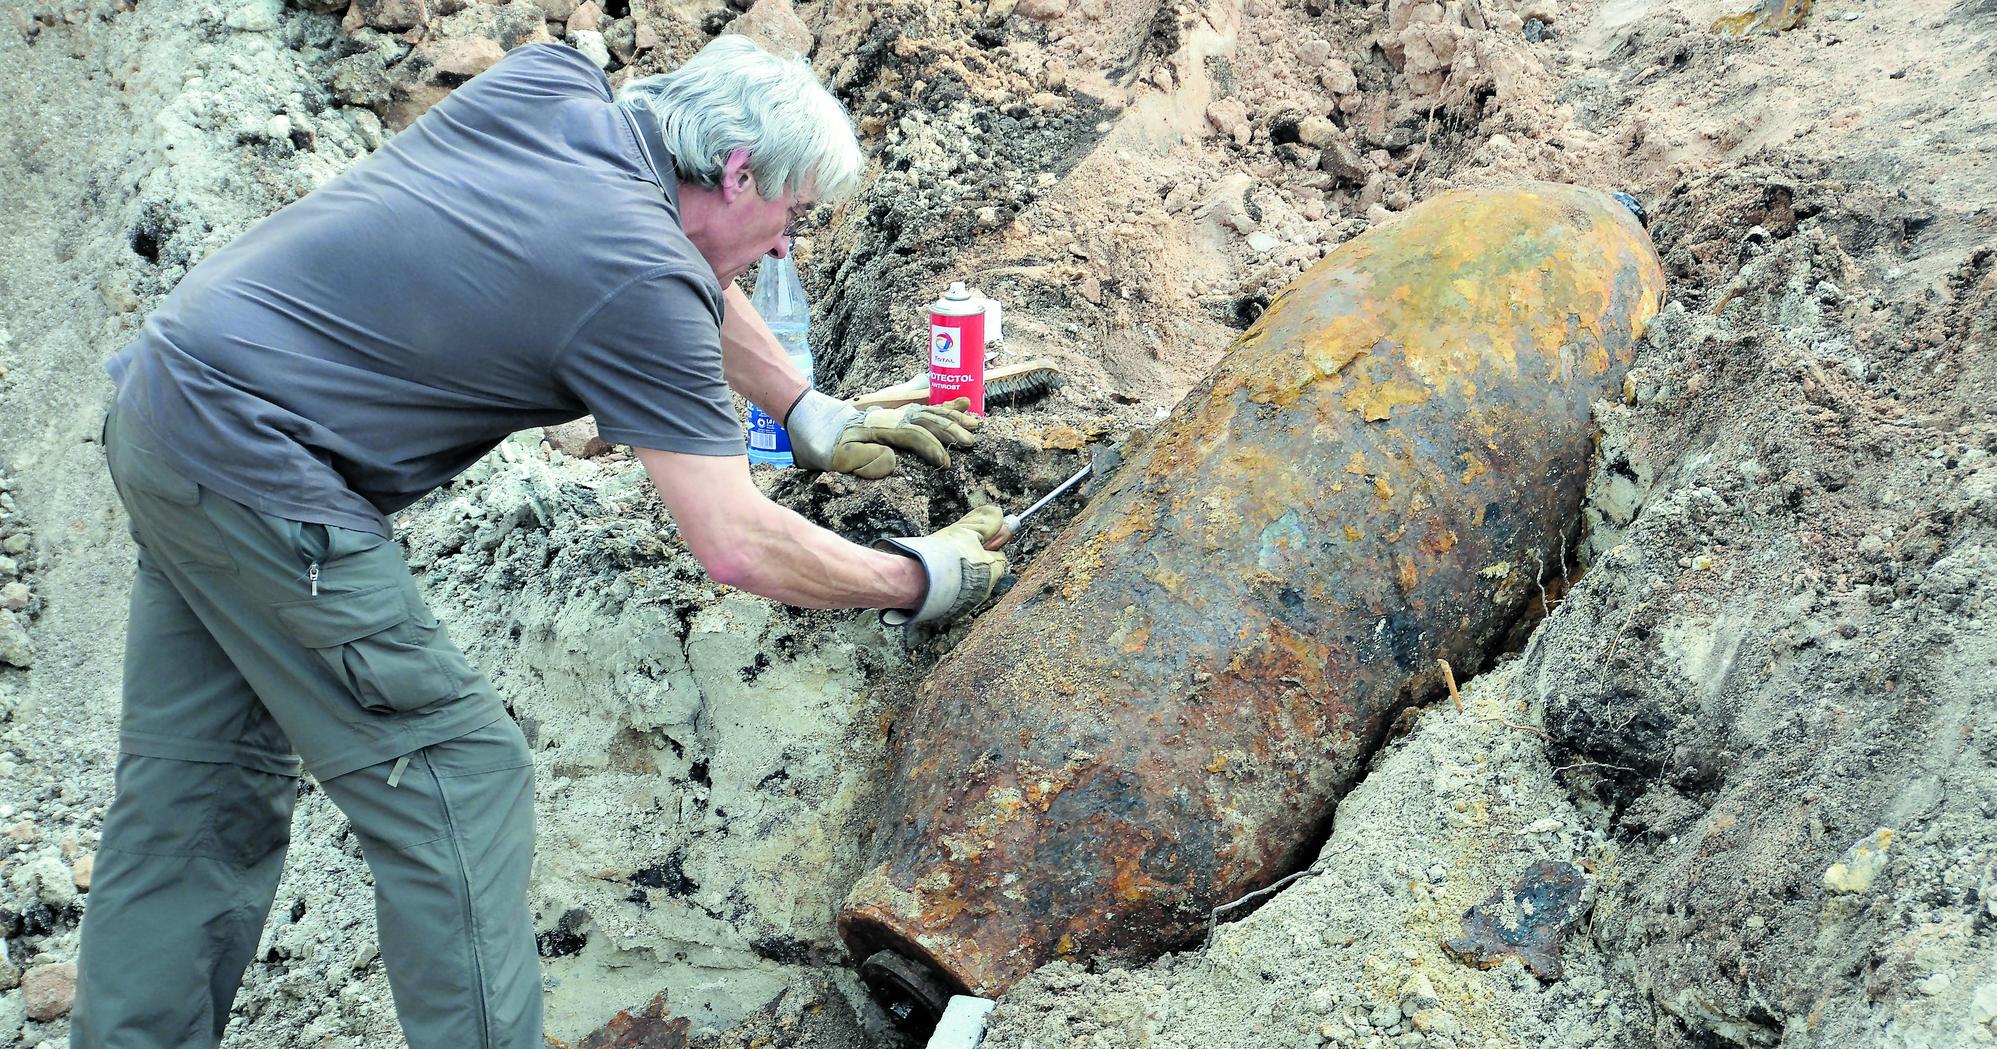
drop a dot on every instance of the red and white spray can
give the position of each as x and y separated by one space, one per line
957 347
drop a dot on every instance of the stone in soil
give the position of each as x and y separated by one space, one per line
1528 920
15 650
49 990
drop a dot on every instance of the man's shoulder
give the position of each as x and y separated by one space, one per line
667 291
541 70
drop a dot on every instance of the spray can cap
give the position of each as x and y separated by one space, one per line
958 291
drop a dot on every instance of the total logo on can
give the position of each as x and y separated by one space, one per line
957 347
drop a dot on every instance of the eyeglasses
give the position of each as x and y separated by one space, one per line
800 218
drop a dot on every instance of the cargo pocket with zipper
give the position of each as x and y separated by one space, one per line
372 642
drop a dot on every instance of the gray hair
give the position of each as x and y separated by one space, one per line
735 95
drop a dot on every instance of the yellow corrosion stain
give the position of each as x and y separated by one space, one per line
1770 15
1405 573
959 848
1356 466
1063 437
1376 401
1130 884
941 913
1218 763
1143 518
1001 805
1254 461
1135 641
1382 489
1048 785
1081 567
1171 580
1473 468
1064 946
939 904
1219 513
1353 535
1299 362
1263 577
1439 541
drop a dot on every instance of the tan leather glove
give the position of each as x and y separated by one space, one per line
828 434
961 571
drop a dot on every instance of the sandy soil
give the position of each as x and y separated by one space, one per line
1781 646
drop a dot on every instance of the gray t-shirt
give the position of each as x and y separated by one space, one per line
513 259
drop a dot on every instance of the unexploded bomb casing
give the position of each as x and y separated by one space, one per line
1161 715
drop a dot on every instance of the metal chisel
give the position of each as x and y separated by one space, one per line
1012 521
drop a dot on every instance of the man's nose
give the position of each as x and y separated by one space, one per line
782 250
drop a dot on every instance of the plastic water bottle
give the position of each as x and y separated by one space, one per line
779 297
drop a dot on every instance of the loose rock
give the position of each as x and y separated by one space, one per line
15 649
1317 132
590 43
577 439
775 25
392 14
1229 117
555 10
257 16
1861 863
49 990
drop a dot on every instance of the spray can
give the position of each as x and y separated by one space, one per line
957 347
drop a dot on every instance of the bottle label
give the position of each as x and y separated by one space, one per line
957 359
768 440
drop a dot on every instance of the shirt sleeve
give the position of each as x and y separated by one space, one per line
647 364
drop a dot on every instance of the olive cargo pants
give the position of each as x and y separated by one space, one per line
252 637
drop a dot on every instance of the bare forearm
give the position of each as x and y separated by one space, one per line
786 558
752 360
749 542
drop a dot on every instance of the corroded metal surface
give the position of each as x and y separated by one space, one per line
654 1027
1161 715
1529 919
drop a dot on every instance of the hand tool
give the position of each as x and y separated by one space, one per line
1003 382
1012 521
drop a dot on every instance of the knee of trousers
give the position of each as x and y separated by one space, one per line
478 786
203 809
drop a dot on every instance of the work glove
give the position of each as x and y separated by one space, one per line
961 571
826 433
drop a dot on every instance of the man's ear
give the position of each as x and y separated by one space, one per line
735 176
